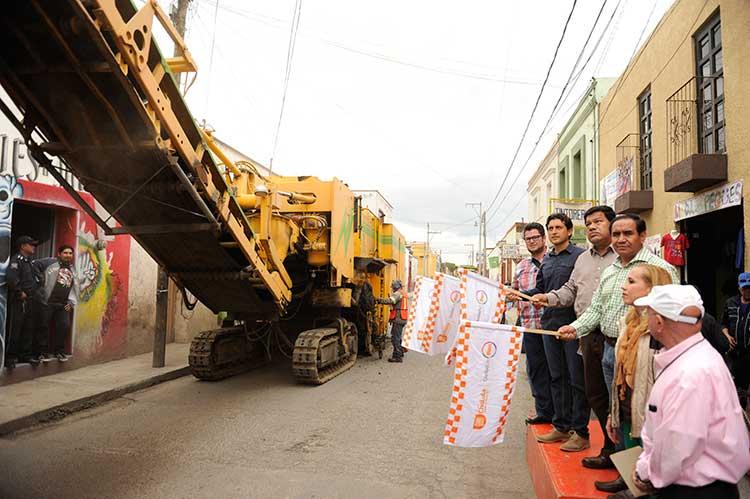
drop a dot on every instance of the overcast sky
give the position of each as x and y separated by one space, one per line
425 101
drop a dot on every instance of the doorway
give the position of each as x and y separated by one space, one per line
713 259
35 221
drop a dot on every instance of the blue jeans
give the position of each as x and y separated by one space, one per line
538 372
568 386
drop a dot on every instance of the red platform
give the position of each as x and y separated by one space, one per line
560 475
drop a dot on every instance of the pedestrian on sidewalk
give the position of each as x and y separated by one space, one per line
578 291
531 317
695 443
571 411
735 323
57 299
22 284
399 303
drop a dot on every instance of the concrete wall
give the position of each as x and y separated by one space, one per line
665 63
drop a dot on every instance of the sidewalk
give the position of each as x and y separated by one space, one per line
54 397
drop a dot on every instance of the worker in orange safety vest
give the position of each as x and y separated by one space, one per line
399 302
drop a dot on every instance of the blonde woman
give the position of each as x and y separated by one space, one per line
634 372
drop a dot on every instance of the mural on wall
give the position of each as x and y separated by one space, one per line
9 189
101 315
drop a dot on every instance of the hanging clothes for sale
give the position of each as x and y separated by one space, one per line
419 311
484 377
675 245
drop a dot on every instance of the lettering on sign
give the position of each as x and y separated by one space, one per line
706 202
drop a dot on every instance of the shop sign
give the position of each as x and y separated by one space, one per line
511 251
617 183
715 199
494 262
574 208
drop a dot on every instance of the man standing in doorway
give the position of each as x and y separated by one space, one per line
578 292
529 316
571 411
59 297
735 324
399 313
22 284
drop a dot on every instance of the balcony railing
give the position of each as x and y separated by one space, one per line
628 156
691 114
682 117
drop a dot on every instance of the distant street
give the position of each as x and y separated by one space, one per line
375 431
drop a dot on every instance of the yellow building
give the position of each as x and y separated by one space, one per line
675 139
433 260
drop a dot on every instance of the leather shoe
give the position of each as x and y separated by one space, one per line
394 359
538 420
612 486
600 462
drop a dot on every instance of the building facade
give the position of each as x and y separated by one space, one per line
116 308
674 136
542 186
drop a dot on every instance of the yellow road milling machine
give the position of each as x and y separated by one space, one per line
294 262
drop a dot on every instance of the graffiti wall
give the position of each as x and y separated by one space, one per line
9 189
102 263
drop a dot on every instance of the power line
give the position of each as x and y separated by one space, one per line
560 99
289 61
536 104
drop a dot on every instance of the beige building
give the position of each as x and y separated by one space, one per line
542 186
675 139
506 254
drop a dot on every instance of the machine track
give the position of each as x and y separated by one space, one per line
320 355
221 353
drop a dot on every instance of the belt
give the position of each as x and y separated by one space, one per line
610 341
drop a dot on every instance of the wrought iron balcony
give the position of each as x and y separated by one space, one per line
631 178
696 147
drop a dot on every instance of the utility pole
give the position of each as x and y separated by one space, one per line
178 16
427 249
471 253
480 253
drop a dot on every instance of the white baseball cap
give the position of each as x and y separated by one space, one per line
671 300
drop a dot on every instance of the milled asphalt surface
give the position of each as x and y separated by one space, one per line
375 431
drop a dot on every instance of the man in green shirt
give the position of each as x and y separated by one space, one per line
607 307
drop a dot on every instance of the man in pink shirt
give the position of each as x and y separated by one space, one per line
695 443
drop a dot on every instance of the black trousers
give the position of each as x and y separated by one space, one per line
397 329
592 348
715 490
19 337
53 318
538 372
739 365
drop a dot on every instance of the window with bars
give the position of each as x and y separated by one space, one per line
644 118
710 81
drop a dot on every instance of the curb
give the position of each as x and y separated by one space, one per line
59 412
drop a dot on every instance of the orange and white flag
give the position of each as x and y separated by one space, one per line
486 362
444 316
419 308
482 300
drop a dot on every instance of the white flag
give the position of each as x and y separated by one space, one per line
419 308
486 361
445 315
482 300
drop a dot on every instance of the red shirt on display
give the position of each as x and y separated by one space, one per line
674 248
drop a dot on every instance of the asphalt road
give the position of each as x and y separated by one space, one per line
375 431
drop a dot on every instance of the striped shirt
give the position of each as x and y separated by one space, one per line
607 307
525 278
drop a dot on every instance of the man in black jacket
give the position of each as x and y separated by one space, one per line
735 324
22 285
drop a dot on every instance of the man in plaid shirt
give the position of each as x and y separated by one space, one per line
530 316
